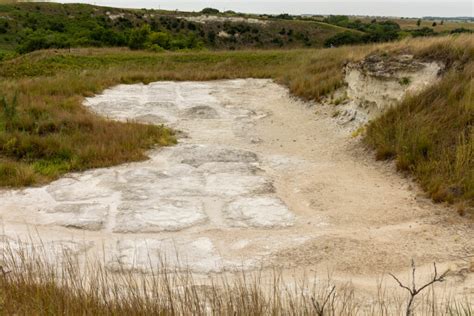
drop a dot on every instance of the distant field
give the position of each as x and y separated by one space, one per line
411 24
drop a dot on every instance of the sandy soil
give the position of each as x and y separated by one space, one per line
259 179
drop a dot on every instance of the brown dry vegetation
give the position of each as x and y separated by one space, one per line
30 284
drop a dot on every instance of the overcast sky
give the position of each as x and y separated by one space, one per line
415 8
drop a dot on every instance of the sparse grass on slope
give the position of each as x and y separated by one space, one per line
431 134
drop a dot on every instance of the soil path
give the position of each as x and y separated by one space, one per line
260 179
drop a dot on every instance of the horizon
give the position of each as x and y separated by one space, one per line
391 8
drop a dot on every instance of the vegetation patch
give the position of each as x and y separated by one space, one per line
26 27
431 134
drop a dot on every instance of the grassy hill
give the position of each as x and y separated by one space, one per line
26 27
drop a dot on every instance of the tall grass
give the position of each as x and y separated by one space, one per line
431 134
31 283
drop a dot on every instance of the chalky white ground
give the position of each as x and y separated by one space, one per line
260 179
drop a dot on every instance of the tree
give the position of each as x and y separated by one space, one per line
161 39
209 11
138 37
424 31
344 38
211 37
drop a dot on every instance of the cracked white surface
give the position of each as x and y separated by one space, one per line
207 181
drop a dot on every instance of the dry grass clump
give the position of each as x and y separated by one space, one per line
431 134
46 133
33 283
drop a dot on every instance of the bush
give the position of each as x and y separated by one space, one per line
284 16
209 11
340 20
43 40
138 37
161 39
425 31
344 38
461 30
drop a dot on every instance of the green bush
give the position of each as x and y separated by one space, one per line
345 38
161 39
425 31
209 11
42 39
138 37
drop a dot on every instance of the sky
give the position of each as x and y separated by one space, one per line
406 8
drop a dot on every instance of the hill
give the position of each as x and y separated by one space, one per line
25 27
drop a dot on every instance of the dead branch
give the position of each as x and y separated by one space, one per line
320 307
414 291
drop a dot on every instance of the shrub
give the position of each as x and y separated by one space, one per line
138 37
344 38
209 11
461 30
161 39
425 31
43 40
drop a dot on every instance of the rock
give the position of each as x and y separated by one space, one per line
72 190
231 185
83 216
196 155
201 112
157 215
198 255
264 212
